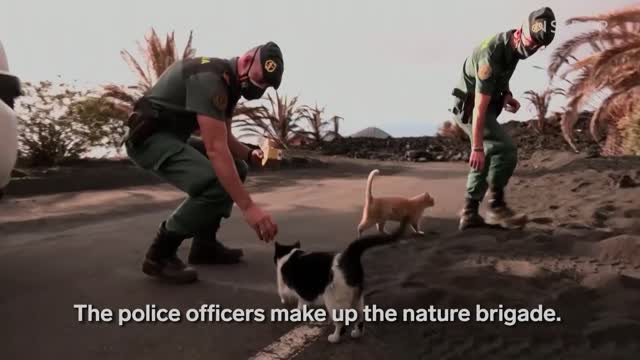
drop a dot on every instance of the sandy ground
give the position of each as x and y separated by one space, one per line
580 257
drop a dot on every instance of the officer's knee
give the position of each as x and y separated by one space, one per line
243 169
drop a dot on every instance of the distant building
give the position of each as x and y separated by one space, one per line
371 132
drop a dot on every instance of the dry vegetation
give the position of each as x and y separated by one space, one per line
58 122
158 56
611 68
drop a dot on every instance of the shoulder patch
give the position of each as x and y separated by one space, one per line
220 101
484 72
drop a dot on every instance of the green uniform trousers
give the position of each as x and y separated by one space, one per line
501 158
185 165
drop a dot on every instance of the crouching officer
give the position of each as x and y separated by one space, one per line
201 94
481 94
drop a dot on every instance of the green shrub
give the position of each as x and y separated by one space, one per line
57 122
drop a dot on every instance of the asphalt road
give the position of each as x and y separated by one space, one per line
48 268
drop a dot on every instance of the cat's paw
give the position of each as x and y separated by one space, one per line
356 333
334 338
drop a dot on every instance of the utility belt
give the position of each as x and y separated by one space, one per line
148 118
465 102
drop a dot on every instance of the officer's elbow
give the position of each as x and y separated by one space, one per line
214 134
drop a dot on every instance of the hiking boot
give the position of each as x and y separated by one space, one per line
470 216
206 249
162 261
500 214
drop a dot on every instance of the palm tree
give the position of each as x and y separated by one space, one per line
540 102
278 124
611 68
318 124
158 56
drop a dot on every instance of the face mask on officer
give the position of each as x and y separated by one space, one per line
523 51
248 88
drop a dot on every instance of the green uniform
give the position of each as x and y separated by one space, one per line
488 71
187 88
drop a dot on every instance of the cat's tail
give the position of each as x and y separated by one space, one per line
368 195
354 251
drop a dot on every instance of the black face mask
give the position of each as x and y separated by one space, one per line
248 89
522 52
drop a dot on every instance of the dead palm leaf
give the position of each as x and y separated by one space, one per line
619 17
277 123
158 56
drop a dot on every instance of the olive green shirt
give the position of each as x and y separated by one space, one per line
196 86
490 66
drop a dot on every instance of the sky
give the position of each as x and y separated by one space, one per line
389 64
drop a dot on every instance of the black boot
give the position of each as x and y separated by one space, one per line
470 216
206 249
162 260
500 214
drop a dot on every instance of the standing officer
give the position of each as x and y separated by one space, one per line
201 93
481 94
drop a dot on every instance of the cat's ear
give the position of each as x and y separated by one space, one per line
297 245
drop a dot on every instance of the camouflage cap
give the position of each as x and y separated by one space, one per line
541 26
272 64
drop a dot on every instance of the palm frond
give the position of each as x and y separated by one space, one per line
563 52
569 120
619 17
189 51
135 66
118 93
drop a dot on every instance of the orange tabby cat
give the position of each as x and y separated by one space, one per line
379 210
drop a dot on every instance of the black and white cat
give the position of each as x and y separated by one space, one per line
335 280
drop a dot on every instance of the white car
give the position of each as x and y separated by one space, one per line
9 91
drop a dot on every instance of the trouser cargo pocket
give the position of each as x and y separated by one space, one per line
155 151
